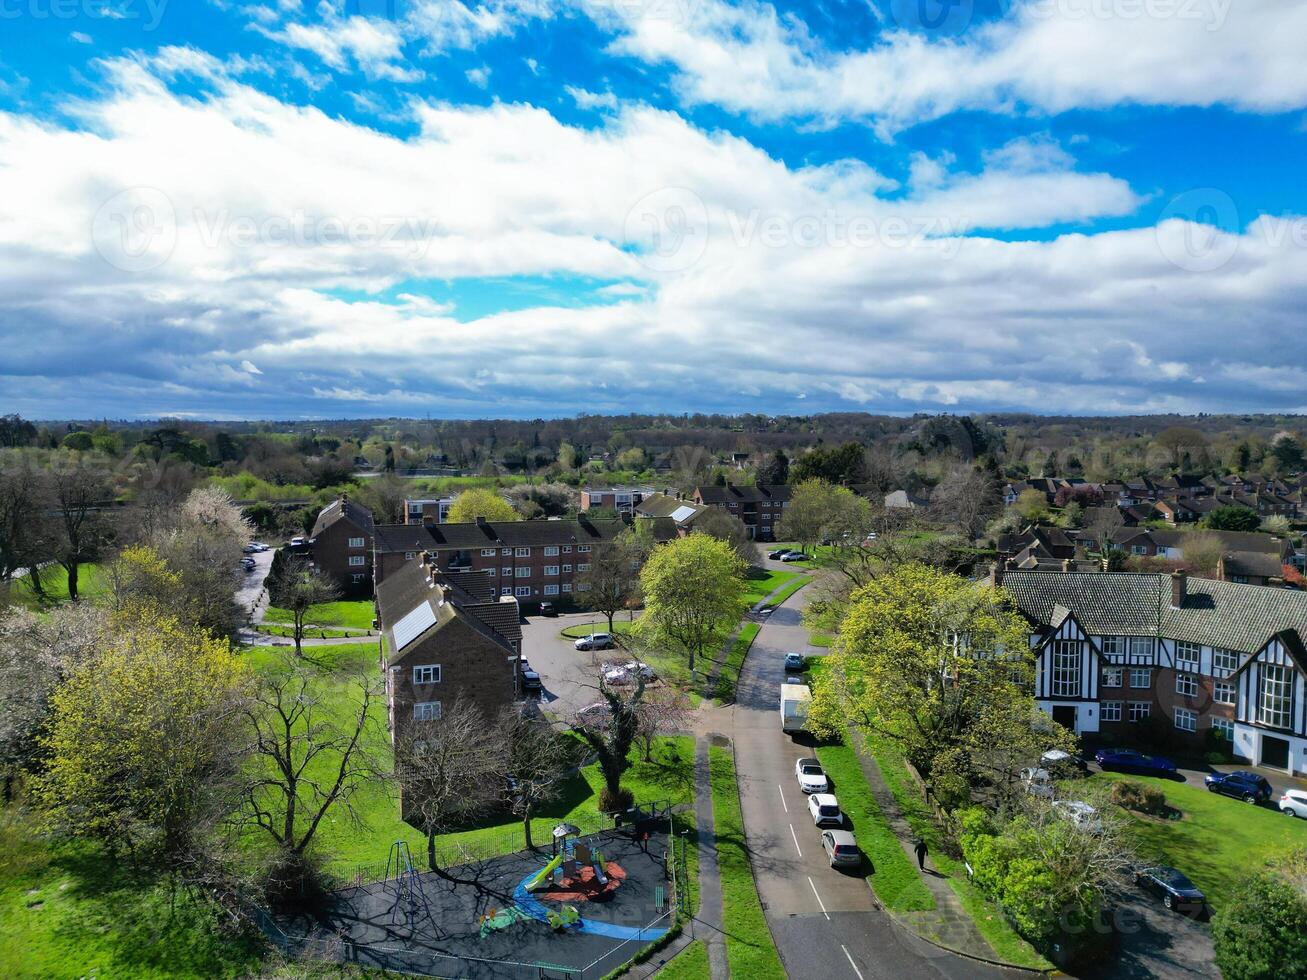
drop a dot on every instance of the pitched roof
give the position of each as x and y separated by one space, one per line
337 509
683 512
412 605
510 534
735 494
1111 603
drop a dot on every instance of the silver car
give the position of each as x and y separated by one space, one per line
841 849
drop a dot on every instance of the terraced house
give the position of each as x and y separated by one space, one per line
1150 654
759 507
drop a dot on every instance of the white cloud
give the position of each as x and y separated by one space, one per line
375 46
81 37
586 99
480 77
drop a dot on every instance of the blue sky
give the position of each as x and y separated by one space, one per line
222 208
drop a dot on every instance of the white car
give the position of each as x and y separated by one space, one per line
1294 802
596 641
811 776
1037 783
1081 815
619 675
825 809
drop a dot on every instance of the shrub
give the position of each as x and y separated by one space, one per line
1262 933
613 802
1138 797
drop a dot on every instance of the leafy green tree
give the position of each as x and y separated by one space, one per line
612 582
1261 932
296 586
693 594
819 511
480 502
1032 505
1232 519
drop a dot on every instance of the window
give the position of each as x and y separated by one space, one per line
551 569
1186 684
410 555
488 552
583 567
1141 647
551 550
522 552
1141 677
357 560
524 572
1276 696
356 542
567 549
428 674
506 552
356 579
1111 711
506 590
426 711
1066 669
1225 661
1113 646
583 587
567 568
1139 710
551 590
1139 549
1113 677
1186 720
1186 655
1224 727
490 571
1223 693
523 591
583 547
567 586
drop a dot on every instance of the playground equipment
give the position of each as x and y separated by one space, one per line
541 879
403 878
496 919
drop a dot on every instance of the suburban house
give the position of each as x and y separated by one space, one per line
624 500
1248 556
1125 654
434 510
341 544
759 507
905 500
682 512
530 561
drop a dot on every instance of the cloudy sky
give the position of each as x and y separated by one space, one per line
223 208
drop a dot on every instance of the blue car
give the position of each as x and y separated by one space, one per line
1246 786
1128 760
1176 891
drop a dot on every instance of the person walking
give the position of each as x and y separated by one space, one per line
922 850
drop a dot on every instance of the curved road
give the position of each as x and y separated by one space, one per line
825 922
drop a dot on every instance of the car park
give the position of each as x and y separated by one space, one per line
841 849
260 546
811 776
251 549
619 674
1063 765
795 661
825 810
1176 891
1129 760
1242 785
596 641
1294 802
778 554
1080 814
1037 782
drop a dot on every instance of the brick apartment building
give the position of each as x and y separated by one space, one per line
434 510
531 561
760 507
342 545
1127 653
624 500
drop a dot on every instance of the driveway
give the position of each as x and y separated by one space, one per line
251 584
568 674
1152 942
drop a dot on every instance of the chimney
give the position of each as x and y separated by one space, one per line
481 522
344 498
996 573
1066 564
1179 586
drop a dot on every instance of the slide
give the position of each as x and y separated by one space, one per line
542 878
599 869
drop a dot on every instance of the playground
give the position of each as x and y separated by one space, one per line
579 906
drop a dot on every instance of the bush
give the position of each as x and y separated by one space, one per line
1138 797
614 802
1262 933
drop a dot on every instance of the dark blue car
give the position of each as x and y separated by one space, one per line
1176 891
1246 786
1128 760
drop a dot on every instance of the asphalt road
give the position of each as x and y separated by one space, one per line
569 675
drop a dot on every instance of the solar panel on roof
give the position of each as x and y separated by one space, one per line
413 625
682 513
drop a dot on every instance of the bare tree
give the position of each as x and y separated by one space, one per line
296 586
79 489
203 546
727 527
1203 551
448 770
1105 526
539 762
610 728
310 763
21 525
967 498
662 711
612 582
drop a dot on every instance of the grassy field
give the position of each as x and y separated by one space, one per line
891 874
760 583
990 922
1216 840
690 963
821 639
730 673
355 614
91 583
788 590
749 947
600 625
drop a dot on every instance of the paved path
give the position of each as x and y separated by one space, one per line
707 924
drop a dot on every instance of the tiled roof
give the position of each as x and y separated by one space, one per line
337 509
1111 603
510 534
408 588
733 494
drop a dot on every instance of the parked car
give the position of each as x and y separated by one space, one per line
251 549
1176 891
531 678
1063 765
778 554
1294 802
596 641
1242 785
248 564
795 661
259 546
793 556
1037 782
824 809
841 849
1080 814
298 542
811 776
548 609
626 673
1128 760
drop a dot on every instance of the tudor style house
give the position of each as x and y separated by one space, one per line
341 542
1119 650
759 507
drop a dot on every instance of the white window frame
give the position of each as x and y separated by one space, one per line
506 590
489 552
1139 710
1188 655
583 567
567 586
426 711
522 591
507 570
1224 662
522 552
1224 692
551 590
356 542
1065 665
426 674
583 587
1142 646
1112 646
1186 720
357 561
567 549
567 568
1275 709
551 550
1225 726
1146 673
523 571
506 552
1110 711
1186 685
1114 677
410 555
551 569
583 547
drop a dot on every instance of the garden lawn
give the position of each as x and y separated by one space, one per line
1216 841
891 875
749 947
352 614
821 639
92 583
760 583
690 963
730 673
989 920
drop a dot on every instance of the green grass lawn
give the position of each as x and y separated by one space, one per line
600 625
788 590
690 963
989 920
1216 841
730 673
760 583
749 947
309 634
353 614
92 583
891 874
821 639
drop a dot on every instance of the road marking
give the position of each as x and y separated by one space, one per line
851 963
796 842
818 894
781 790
